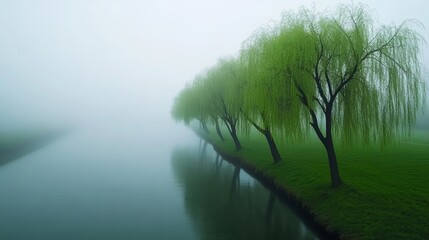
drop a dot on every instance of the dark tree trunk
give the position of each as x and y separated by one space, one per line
219 133
336 180
326 104
231 125
333 166
273 147
270 140
235 138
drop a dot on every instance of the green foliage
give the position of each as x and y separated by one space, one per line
214 95
186 105
341 73
370 76
269 97
222 88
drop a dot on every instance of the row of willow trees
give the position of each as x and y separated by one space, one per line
336 74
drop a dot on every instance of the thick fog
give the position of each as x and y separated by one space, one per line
89 61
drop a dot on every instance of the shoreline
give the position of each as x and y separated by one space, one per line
297 205
14 147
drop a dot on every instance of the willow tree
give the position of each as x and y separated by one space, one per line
181 110
356 80
190 104
209 102
268 105
225 99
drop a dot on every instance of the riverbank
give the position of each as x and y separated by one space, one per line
385 195
18 144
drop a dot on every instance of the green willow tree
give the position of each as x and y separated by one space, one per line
190 104
209 104
225 100
337 73
267 105
356 81
212 97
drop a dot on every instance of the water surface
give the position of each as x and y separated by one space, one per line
136 181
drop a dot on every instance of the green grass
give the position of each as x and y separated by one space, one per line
385 193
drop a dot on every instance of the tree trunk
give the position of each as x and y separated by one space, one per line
235 138
219 133
333 166
231 125
273 147
329 146
327 139
271 143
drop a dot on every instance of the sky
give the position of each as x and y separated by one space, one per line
103 59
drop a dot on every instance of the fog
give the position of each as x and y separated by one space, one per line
89 61
111 69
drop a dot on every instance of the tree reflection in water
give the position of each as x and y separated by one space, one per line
224 202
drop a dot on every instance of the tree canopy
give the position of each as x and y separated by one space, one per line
339 73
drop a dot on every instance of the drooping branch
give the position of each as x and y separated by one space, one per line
260 129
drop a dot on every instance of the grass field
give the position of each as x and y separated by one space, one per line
385 193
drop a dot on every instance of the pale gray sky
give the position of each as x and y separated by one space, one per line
66 59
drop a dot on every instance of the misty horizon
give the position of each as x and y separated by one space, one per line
94 134
88 61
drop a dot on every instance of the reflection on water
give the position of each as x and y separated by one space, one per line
133 182
226 203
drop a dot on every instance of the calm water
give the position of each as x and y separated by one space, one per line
133 182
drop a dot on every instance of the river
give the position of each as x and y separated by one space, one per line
137 181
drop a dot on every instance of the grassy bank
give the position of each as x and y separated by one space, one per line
385 195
